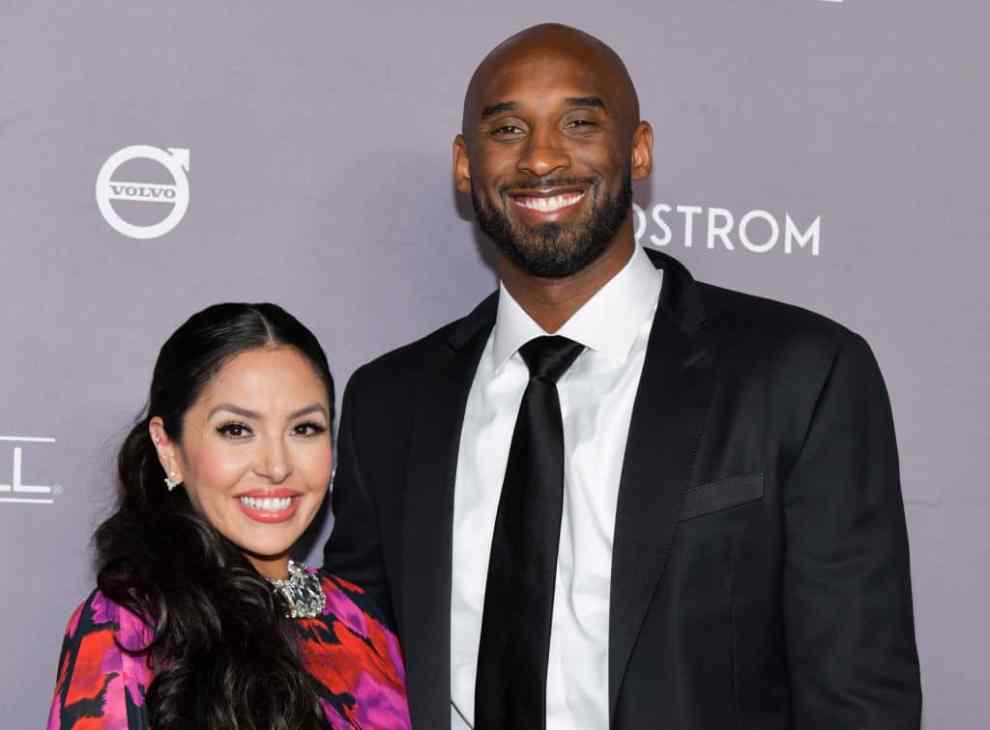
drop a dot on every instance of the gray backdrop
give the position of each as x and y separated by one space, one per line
826 153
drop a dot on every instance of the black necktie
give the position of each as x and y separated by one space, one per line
510 692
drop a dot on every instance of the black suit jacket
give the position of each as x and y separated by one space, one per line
760 575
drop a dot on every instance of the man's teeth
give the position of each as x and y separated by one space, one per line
267 504
549 205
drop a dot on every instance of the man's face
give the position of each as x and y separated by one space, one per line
548 161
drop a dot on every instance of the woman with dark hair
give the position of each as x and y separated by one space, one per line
200 620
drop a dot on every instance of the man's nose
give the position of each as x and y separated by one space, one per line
544 153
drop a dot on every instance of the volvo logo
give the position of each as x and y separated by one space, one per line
176 195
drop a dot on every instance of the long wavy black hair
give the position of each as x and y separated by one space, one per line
221 655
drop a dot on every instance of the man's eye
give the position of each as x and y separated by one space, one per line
234 430
506 130
310 428
580 123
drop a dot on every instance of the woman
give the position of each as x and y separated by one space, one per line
200 620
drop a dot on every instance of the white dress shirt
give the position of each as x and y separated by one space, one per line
596 400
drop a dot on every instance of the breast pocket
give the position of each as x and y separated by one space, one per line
721 495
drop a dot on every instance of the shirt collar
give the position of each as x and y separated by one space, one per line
608 322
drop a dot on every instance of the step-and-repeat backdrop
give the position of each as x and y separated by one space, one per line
159 157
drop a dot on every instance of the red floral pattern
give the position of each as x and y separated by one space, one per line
354 658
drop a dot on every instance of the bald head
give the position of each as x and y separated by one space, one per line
545 45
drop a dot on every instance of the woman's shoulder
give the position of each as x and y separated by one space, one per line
352 605
352 653
102 674
99 614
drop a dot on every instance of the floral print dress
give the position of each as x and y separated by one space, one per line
353 657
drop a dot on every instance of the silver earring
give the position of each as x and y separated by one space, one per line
171 482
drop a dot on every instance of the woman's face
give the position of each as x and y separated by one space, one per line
255 455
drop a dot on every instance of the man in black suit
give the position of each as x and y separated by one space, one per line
681 510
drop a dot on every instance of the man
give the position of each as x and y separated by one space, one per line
680 511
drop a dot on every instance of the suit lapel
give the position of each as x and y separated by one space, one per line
667 421
428 516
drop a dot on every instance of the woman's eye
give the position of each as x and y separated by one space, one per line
310 428
234 430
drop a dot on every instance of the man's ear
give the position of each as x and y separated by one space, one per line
462 165
641 164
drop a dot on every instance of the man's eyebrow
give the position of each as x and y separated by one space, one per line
502 106
594 102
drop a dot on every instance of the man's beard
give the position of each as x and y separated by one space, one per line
554 250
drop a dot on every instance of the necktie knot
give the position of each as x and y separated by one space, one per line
548 357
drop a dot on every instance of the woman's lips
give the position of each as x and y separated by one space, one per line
269 507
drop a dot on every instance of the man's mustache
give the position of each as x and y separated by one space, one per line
545 183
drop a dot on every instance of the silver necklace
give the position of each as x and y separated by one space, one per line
302 592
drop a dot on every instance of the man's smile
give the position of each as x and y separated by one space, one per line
549 203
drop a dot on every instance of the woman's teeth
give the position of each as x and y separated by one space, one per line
549 205
267 504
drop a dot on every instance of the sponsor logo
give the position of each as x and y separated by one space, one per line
17 491
173 159
756 231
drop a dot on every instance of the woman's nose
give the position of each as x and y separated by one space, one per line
275 462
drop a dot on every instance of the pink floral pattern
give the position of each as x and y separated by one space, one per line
354 658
